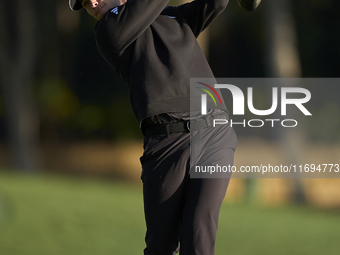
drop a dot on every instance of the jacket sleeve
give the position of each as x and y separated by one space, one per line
122 25
200 13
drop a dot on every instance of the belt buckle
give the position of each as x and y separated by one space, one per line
188 125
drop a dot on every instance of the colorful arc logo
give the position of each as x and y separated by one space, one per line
204 97
209 93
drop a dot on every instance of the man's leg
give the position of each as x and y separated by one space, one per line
165 170
200 217
204 196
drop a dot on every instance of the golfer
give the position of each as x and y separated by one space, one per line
153 48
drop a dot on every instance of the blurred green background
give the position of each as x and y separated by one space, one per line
70 146
58 215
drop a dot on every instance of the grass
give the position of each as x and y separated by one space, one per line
59 215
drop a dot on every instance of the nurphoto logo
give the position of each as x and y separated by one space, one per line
238 98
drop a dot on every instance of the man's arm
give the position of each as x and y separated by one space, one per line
200 13
123 24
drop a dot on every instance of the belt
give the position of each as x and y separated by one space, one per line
183 126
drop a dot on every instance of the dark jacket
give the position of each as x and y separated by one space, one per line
155 51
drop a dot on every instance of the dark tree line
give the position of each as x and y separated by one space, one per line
55 86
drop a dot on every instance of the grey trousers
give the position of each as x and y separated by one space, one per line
179 209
